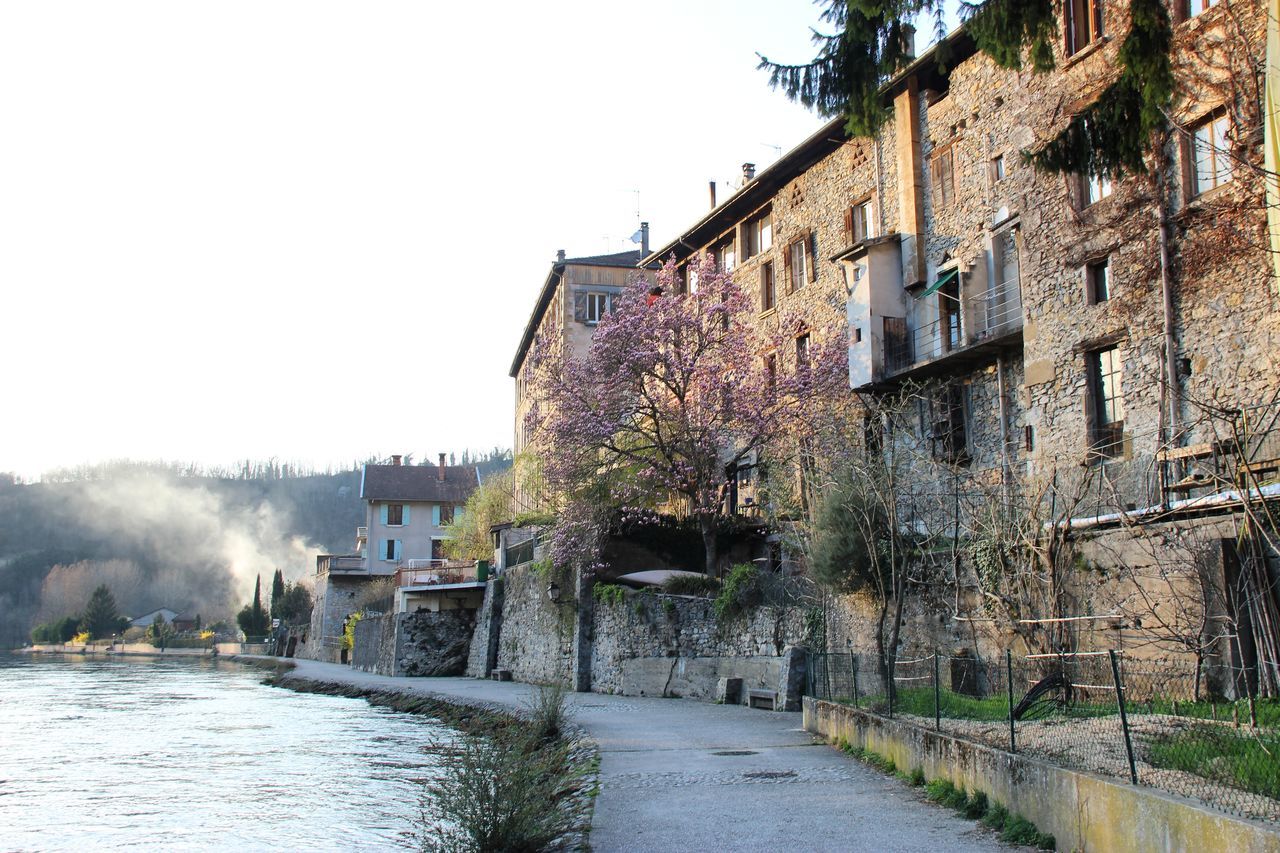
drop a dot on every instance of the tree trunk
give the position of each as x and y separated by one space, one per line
707 523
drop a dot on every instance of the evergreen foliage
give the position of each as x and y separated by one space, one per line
742 590
101 617
254 621
1111 135
295 605
277 593
841 555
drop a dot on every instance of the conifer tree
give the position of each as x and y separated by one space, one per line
101 617
1109 137
254 621
277 593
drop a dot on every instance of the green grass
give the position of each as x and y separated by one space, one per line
1013 828
918 701
1223 754
1268 710
1018 830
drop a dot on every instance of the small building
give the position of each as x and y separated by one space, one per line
147 620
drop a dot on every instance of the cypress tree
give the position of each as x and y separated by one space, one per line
277 593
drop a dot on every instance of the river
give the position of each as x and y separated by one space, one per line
182 754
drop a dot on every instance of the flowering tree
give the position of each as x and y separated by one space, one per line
675 391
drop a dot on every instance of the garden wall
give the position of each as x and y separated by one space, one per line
1082 811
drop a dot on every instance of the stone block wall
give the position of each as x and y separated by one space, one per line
374 646
414 644
536 643
483 655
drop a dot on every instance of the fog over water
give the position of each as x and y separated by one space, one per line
199 755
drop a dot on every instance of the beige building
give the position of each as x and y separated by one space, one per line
576 295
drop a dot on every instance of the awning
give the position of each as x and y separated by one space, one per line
943 280
656 577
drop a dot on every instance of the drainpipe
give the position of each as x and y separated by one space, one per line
1004 426
1166 292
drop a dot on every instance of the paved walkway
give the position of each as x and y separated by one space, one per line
685 775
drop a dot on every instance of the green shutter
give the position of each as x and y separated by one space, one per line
943 280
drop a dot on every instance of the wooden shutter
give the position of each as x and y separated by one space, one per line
811 253
848 225
786 269
580 307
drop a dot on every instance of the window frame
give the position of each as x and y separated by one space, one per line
768 287
1094 294
600 299
1077 37
395 511
1218 149
942 187
1106 436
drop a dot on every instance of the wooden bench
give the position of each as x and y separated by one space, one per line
766 700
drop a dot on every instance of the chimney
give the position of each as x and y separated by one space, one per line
559 260
748 172
644 239
909 42
440 468
395 460
712 187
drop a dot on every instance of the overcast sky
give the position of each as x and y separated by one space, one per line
315 230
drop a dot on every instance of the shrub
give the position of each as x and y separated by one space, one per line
534 519
996 817
939 790
609 593
497 795
1019 830
741 591
547 713
956 799
977 806
917 778
691 585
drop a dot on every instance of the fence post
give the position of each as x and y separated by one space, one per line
1008 683
1124 718
891 687
937 705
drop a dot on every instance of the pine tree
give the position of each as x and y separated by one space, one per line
1109 137
100 615
277 594
253 620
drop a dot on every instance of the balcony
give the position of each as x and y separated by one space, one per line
345 564
979 326
429 573
362 537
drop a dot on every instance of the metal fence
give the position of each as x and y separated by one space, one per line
1099 712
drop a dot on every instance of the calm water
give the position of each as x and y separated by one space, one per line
198 755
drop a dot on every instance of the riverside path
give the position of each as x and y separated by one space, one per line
684 775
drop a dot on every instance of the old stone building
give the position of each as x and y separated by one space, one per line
1073 347
577 293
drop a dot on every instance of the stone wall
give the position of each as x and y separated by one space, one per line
668 645
374 647
536 643
483 656
414 644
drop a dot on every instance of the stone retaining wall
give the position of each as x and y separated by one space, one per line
536 643
1081 811
414 644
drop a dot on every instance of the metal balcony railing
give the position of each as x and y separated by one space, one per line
440 573
987 316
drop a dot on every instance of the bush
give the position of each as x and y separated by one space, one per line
996 817
691 585
609 593
939 790
547 713
741 591
495 795
1019 830
977 806
534 519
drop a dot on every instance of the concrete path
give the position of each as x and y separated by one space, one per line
684 775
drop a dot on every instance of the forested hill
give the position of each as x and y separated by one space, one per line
169 535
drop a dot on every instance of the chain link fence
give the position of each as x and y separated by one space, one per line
1100 712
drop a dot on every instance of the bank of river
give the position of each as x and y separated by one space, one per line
186 754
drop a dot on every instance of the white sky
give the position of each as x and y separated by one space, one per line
314 230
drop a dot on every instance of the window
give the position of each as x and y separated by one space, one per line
1095 188
1195 7
948 416
1097 280
1211 163
597 307
390 549
771 372
682 279
949 314
768 293
859 222
942 177
997 168
757 235
798 263
446 513
395 515
437 549
802 353
1083 23
1106 402
725 257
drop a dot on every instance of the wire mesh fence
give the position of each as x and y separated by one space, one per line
1141 721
